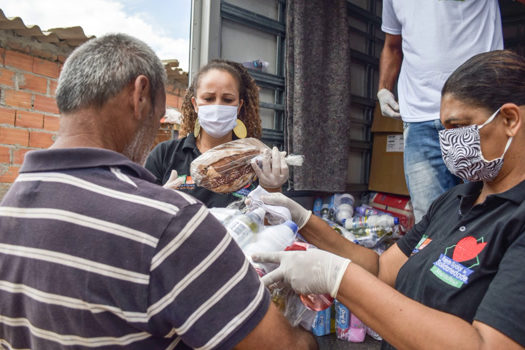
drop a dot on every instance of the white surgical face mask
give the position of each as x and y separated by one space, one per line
461 151
217 120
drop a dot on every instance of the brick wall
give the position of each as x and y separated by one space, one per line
29 116
28 112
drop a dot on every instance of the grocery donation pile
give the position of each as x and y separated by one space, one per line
259 227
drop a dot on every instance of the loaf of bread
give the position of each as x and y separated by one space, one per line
226 168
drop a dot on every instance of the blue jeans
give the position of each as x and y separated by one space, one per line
425 172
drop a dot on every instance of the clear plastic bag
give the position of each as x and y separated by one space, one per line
226 168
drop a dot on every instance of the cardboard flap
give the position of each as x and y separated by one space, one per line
385 124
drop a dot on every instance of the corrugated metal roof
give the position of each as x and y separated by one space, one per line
73 36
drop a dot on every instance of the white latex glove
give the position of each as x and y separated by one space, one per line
173 182
274 172
307 272
389 106
299 214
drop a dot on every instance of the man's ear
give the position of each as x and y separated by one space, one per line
512 118
141 97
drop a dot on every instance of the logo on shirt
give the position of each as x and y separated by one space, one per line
423 242
244 192
450 270
187 182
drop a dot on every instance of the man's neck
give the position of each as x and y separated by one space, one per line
84 129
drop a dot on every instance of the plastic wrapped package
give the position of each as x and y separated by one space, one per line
227 167
293 309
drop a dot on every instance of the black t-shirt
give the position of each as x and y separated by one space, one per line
178 155
468 260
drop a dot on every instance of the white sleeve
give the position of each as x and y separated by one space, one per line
391 24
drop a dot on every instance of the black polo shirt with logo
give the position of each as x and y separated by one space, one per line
178 155
470 260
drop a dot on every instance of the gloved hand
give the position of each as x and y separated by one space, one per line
299 214
173 182
389 106
273 174
313 271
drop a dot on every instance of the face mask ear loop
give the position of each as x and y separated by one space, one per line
491 118
504 151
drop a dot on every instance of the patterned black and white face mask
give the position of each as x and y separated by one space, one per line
461 152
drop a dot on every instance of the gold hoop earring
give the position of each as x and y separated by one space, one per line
196 128
240 129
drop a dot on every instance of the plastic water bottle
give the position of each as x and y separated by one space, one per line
384 221
256 64
318 205
244 227
272 239
325 210
366 210
343 206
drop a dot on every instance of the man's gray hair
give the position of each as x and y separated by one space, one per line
100 68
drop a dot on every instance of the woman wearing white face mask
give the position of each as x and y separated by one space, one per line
221 104
456 280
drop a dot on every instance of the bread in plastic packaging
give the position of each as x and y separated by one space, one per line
226 168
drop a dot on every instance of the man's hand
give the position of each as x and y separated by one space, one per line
389 106
299 214
274 172
173 182
313 271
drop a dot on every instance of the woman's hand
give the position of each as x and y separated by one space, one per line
274 172
299 214
313 271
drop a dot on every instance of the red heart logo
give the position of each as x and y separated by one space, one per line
467 248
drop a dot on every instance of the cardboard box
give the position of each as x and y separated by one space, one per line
321 325
386 167
385 124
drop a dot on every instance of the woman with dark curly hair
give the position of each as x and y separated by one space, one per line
221 104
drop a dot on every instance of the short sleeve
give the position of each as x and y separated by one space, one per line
391 24
155 164
503 306
408 242
202 288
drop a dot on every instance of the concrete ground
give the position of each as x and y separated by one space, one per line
330 342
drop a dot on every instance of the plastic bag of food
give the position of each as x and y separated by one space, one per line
226 168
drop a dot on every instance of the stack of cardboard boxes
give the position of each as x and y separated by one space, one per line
386 168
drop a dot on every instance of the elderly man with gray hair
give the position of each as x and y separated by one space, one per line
93 254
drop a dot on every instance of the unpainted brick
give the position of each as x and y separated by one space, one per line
19 154
7 77
51 123
5 154
15 98
172 101
19 60
52 87
8 173
45 67
14 136
29 120
7 116
41 139
34 83
45 104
